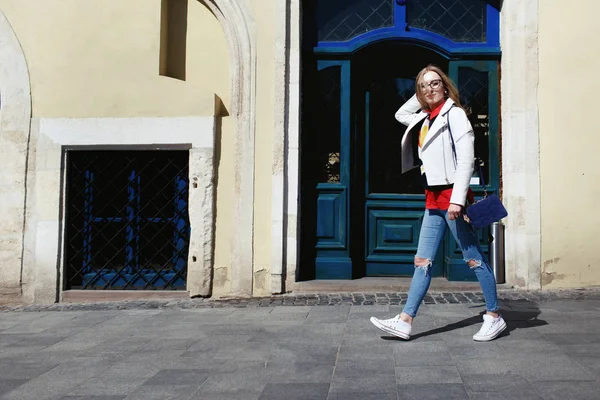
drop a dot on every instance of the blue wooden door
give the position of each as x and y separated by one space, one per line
394 205
478 84
333 182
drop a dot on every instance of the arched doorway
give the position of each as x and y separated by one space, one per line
360 216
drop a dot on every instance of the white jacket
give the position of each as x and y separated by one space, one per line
436 153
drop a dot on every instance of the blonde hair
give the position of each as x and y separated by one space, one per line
450 89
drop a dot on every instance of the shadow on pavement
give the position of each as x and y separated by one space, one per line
518 314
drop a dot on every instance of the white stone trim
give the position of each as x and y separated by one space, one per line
238 25
279 197
293 144
130 131
15 116
286 169
45 223
520 142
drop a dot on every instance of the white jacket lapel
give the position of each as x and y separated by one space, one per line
418 118
438 125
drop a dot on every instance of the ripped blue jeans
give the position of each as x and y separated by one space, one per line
431 236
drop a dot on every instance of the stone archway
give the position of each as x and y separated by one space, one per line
15 118
236 22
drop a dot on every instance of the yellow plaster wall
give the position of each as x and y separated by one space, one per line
264 13
92 58
100 58
569 143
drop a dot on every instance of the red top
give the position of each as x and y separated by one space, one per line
436 112
440 200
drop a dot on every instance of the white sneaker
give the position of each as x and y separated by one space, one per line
394 326
492 327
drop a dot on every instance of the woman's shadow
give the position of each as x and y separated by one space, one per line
518 314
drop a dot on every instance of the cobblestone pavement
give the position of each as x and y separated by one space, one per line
255 350
323 299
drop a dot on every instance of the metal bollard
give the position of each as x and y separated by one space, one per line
496 248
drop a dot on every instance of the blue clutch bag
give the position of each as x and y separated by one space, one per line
486 211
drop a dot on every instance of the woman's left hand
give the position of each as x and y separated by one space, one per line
454 211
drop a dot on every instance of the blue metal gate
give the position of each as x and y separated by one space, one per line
127 220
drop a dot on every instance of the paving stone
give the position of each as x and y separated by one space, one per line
590 363
317 318
158 345
22 369
556 367
299 372
229 395
374 381
8 339
568 390
295 391
92 397
9 320
319 353
533 395
432 391
522 346
7 384
41 339
475 350
41 324
429 374
156 392
119 386
81 322
513 333
243 352
178 377
413 354
496 383
101 351
252 381
59 381
353 353
362 395
572 338
119 346
23 351
473 366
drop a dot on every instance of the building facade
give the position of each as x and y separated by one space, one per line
238 147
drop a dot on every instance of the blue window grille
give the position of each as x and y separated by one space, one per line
452 28
458 20
127 220
341 20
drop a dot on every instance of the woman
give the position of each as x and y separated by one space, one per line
439 140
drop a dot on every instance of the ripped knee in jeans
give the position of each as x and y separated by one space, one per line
473 263
423 263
